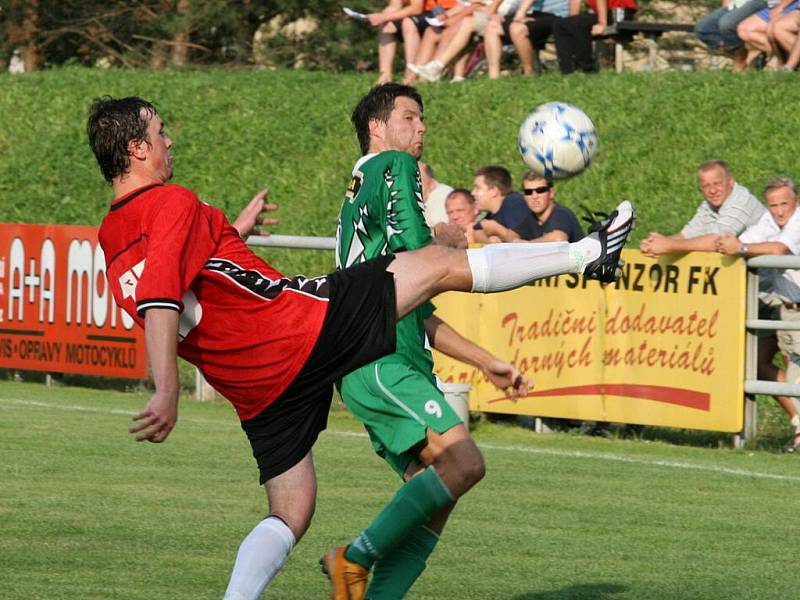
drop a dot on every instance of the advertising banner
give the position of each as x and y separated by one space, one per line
57 313
663 346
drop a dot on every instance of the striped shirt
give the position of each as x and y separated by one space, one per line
739 211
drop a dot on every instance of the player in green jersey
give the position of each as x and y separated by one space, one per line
396 397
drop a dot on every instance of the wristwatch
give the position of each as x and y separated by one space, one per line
743 249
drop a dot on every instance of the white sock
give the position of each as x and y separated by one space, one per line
261 555
498 267
795 421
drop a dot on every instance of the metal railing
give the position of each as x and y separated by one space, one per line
753 385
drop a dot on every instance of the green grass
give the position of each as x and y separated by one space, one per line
235 131
89 514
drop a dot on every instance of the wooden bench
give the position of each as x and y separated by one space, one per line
623 31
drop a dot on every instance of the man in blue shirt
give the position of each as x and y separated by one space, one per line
492 190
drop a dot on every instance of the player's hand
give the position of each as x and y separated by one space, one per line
506 377
598 29
157 419
449 234
249 220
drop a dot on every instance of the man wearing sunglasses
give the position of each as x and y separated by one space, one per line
548 221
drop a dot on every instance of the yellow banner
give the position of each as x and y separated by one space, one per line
663 346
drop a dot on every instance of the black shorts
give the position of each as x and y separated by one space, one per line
359 328
539 29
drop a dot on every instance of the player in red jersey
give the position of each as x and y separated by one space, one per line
272 345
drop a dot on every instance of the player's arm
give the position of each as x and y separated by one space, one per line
501 373
160 414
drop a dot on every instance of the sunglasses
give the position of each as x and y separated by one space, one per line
543 189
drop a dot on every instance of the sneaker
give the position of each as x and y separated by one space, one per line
458 79
612 231
794 443
349 579
431 71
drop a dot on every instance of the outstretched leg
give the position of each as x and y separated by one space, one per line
424 273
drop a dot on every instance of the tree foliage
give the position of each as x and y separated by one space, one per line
179 33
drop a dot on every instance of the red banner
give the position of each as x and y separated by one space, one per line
57 313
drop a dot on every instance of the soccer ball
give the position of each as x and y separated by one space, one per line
557 140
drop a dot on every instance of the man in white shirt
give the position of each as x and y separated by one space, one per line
776 232
728 207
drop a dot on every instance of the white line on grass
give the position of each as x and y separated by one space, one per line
540 451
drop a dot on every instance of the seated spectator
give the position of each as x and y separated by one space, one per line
785 32
777 232
548 222
757 31
492 190
573 35
528 29
728 207
448 13
717 30
793 59
433 196
475 23
398 14
462 211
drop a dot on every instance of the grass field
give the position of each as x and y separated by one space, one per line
88 514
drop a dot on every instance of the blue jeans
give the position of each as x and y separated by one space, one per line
719 27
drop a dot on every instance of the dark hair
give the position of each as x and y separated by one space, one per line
462 192
378 105
496 176
113 123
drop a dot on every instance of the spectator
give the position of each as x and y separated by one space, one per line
717 30
756 31
547 222
552 222
776 232
728 207
448 13
794 52
407 13
573 35
433 196
785 32
475 23
462 211
492 190
528 29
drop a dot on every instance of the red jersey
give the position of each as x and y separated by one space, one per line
629 4
246 327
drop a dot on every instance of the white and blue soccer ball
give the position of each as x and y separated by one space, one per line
557 140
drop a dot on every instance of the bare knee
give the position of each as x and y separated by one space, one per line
292 496
457 459
518 32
